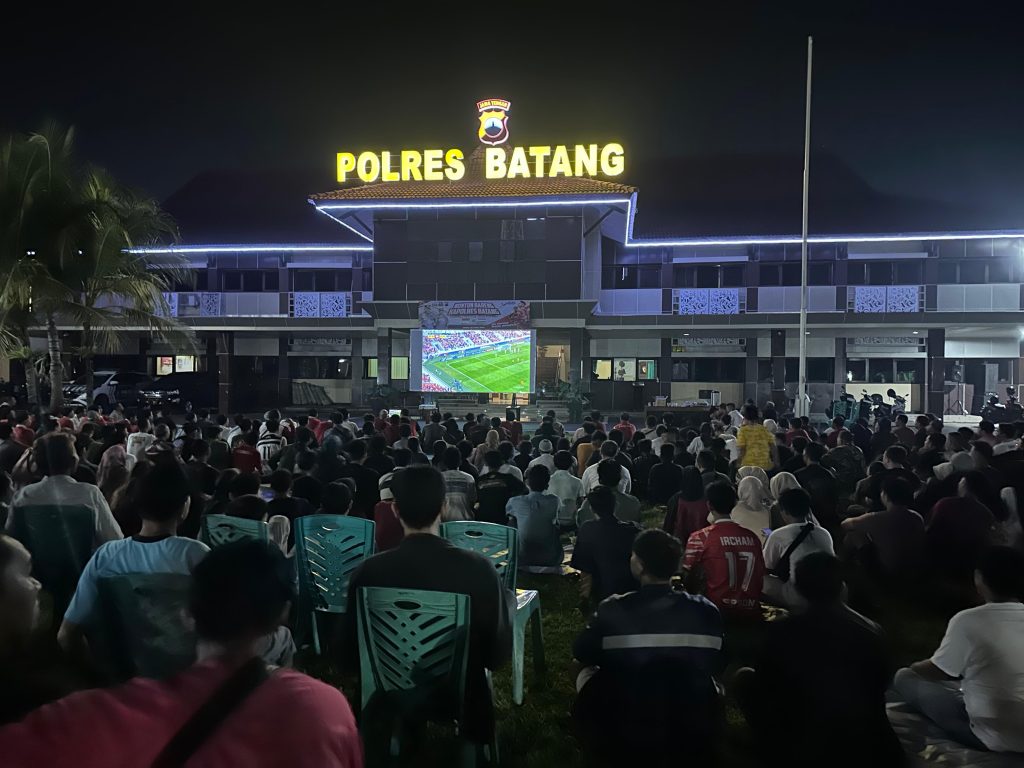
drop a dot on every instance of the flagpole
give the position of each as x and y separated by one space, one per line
802 407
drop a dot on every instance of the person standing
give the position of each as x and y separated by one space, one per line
755 443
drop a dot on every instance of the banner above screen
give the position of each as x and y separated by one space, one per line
547 161
475 314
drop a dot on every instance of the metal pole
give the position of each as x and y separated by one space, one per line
802 406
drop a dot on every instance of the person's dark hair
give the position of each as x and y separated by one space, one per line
419 495
983 448
937 440
563 460
815 452
721 497
303 435
336 498
57 451
602 501
356 450
1002 570
245 484
598 437
799 444
506 449
845 437
493 460
818 577
222 420
615 437
248 506
538 478
750 412
280 481
986 426
305 461
896 453
525 447
652 421
405 431
453 458
795 502
667 452
609 472
162 492
902 419
250 439
691 488
609 449
414 445
659 552
240 591
465 448
875 468
899 491
222 488
377 445
589 428
706 459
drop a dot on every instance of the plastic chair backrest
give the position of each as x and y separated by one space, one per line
144 630
412 645
328 548
60 539
224 529
498 543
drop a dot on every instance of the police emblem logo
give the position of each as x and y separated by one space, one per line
493 120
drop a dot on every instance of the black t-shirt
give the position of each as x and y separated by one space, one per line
292 508
493 490
309 488
380 463
603 549
202 477
367 490
663 481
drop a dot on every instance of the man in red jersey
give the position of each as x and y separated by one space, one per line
726 558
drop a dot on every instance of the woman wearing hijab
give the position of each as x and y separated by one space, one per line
114 455
784 481
749 510
687 509
758 473
490 443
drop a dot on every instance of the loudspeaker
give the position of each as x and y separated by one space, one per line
958 372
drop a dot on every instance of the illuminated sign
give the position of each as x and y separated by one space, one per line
532 162
493 120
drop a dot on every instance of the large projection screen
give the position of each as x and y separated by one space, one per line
472 360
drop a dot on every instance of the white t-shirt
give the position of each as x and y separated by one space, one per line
1005 447
696 446
775 547
568 488
511 469
64 491
546 459
985 647
174 554
589 479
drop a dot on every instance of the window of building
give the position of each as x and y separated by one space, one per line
707 277
765 370
164 365
880 370
879 273
322 367
625 369
681 369
999 271
399 368
910 371
647 370
705 369
369 367
820 370
908 273
791 274
168 364
601 369
949 272
857 370
648 276
732 277
819 274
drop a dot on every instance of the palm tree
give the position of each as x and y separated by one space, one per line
64 231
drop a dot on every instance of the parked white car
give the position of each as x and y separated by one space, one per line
108 387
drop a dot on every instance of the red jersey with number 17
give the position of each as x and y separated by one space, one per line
731 560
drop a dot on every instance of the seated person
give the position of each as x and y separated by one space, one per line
461 487
961 527
890 542
284 503
568 488
494 488
799 537
163 503
665 477
609 476
973 685
608 450
723 560
241 592
603 548
304 483
648 660
367 480
535 515
792 699
336 498
423 560
687 510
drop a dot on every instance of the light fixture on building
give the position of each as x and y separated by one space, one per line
915 332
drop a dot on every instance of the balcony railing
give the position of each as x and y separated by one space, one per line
199 304
885 298
709 301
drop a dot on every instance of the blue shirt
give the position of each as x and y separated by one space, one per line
536 516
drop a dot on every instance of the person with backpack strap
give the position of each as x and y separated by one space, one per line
787 545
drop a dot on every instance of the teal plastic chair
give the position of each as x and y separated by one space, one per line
328 549
224 529
143 629
500 544
413 651
60 539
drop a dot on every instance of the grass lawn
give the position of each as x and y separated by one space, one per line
538 734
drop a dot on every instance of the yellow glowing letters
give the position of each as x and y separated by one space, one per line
538 162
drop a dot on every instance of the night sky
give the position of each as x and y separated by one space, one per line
916 103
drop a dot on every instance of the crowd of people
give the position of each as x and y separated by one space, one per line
771 531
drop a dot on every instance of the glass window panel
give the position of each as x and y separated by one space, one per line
949 272
732 277
880 370
682 369
399 368
646 370
601 369
707 277
164 366
857 370
705 369
856 271
820 369
908 272
185 364
231 280
791 274
732 369
649 276
880 273
910 371
819 274
768 274
999 271
625 369
370 368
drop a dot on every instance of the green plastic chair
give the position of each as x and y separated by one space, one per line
328 549
500 543
224 529
413 651
60 539
143 629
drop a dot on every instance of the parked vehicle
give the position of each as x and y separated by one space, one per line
108 387
181 390
999 413
845 406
